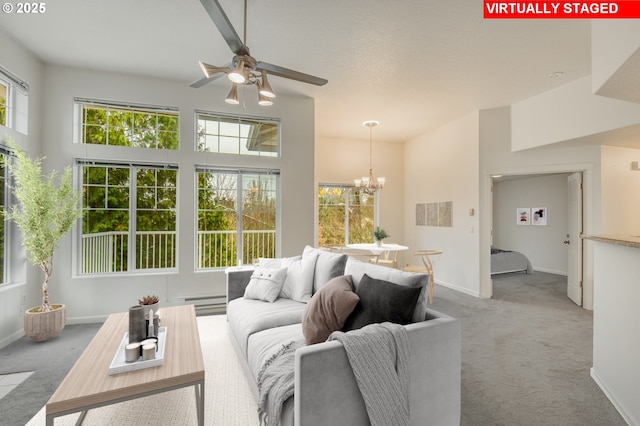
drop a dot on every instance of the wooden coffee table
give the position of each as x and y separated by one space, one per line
88 384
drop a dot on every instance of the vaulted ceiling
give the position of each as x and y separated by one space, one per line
411 64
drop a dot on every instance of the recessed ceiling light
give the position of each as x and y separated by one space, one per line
556 74
496 176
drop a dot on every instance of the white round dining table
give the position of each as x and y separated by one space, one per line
377 249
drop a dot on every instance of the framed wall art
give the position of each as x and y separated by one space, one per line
539 216
523 216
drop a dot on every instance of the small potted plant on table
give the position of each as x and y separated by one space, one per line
150 302
45 212
379 234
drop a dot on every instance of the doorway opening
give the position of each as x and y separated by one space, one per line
539 216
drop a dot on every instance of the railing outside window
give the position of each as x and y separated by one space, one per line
106 252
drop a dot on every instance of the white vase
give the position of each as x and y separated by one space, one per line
378 243
147 308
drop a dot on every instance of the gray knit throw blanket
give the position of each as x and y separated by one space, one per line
379 358
276 383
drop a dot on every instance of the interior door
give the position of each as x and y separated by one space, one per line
573 240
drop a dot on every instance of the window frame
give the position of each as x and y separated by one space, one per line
7 102
158 110
349 189
16 101
7 241
239 174
215 116
132 209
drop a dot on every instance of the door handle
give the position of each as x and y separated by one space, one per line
567 242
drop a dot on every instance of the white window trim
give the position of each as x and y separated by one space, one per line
77 259
78 103
239 171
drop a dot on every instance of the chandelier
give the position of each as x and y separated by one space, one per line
369 184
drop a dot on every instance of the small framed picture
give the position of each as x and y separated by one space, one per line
539 216
523 216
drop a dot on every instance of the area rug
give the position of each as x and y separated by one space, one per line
228 396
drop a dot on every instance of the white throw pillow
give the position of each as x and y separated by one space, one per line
265 284
276 262
298 284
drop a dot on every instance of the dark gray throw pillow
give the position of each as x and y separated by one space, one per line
382 301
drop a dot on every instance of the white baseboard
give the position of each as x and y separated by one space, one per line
86 320
11 338
549 271
457 288
625 415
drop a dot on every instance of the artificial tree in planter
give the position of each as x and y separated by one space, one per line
45 212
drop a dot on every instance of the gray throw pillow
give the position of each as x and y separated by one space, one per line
329 265
328 309
382 301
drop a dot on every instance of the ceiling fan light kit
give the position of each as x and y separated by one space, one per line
264 87
237 76
232 97
244 69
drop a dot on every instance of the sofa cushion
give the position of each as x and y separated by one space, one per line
265 284
357 269
248 316
298 285
264 344
329 265
277 262
382 301
328 309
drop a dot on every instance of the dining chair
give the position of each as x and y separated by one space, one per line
426 268
387 258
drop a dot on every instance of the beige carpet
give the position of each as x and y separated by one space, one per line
228 397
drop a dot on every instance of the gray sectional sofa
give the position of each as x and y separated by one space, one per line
326 391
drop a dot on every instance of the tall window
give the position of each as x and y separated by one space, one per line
235 135
120 125
129 223
14 101
3 200
4 96
345 216
237 216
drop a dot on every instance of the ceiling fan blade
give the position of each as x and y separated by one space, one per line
219 18
291 74
210 70
205 80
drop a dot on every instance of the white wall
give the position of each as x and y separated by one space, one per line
620 185
17 296
442 165
613 43
568 112
543 245
616 346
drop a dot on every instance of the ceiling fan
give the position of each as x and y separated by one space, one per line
244 68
